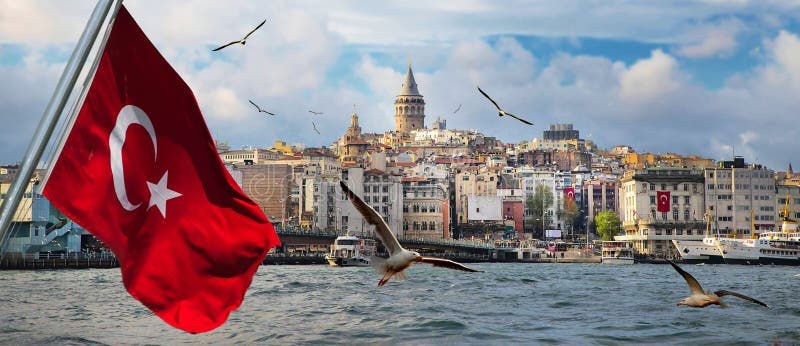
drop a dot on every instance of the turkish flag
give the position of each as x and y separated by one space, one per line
570 192
663 201
140 171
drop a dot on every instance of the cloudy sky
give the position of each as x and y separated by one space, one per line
710 78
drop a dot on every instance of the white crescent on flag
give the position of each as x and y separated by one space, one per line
159 193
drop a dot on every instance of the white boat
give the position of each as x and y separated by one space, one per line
705 251
775 247
350 251
616 252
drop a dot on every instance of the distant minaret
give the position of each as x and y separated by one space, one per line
789 172
409 107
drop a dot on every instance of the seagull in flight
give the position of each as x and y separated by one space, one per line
243 40
457 109
259 108
399 258
700 299
315 113
315 127
502 112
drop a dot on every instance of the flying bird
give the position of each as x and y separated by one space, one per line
700 299
501 112
243 40
399 258
457 109
315 113
315 127
259 108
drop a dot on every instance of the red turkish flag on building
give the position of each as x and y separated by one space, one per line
140 171
662 198
569 192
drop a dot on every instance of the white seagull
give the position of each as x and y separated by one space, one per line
700 299
501 112
259 108
399 258
457 109
315 127
243 40
315 113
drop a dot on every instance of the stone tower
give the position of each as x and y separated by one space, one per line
409 107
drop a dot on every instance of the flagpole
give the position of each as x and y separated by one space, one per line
51 115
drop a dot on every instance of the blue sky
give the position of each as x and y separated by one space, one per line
691 77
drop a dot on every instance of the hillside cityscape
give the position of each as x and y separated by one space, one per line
431 182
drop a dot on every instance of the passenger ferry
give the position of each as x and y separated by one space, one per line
616 252
695 252
350 251
775 247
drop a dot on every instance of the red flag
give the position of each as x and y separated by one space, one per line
663 201
140 171
570 192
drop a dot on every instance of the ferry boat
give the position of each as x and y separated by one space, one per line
616 252
774 247
350 251
696 252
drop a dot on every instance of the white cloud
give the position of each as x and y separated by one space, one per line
712 40
649 79
786 52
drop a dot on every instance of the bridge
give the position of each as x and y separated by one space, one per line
318 242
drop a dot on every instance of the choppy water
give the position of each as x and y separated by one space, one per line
507 304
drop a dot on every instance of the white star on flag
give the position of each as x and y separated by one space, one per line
160 194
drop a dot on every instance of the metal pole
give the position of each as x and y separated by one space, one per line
51 114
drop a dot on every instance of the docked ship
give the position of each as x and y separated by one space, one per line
350 251
775 247
696 252
616 252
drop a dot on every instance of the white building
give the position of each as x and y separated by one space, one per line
734 191
650 230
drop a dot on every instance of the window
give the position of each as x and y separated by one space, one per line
674 199
674 187
685 187
674 214
652 186
685 199
663 187
652 199
432 226
664 215
686 214
710 186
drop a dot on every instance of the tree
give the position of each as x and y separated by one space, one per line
570 213
607 225
537 204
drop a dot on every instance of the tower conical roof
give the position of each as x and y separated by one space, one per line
410 85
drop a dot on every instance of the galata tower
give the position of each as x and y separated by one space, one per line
409 107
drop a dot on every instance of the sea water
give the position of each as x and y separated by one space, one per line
576 304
